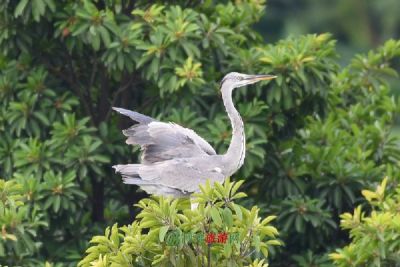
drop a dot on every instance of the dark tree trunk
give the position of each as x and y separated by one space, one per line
98 200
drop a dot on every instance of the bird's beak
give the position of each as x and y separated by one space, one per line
261 77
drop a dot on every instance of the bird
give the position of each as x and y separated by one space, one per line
175 160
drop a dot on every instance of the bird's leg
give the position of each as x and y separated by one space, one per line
193 204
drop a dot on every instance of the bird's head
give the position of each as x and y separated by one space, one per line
235 79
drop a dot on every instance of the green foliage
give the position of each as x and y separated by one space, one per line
19 224
374 237
316 136
49 153
356 25
309 259
61 191
301 216
320 172
149 239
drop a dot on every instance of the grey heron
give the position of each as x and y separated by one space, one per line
175 160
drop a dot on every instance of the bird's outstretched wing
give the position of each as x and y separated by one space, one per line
162 141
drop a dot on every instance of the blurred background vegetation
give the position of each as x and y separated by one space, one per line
357 25
319 138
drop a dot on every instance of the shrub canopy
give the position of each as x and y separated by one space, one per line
316 136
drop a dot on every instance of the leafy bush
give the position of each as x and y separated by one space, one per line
375 238
320 172
168 233
19 224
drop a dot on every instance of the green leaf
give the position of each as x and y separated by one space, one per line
38 9
20 7
82 28
238 211
215 215
51 5
95 42
228 218
236 186
41 117
56 203
299 224
163 231
105 36
2 250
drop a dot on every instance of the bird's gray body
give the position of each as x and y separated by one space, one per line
175 160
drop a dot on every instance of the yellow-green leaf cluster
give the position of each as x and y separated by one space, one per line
146 241
376 237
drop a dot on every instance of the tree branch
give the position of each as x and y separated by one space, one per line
103 101
86 100
119 91
93 74
74 85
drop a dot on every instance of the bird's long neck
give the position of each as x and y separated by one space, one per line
234 157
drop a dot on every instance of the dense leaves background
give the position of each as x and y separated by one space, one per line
316 136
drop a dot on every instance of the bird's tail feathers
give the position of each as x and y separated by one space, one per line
128 169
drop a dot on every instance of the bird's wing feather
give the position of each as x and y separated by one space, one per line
162 141
179 174
136 116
